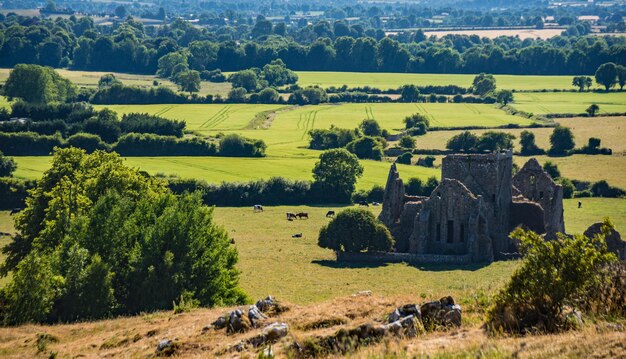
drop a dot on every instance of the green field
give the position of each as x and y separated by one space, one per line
218 169
90 79
385 81
611 130
569 102
299 271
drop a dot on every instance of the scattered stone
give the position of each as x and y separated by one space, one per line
221 322
255 315
276 331
405 311
270 334
363 293
239 323
167 347
265 304
441 313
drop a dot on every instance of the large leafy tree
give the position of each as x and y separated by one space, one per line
561 140
336 173
98 238
606 75
37 84
355 230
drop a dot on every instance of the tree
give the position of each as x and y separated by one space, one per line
407 142
568 187
592 110
414 120
552 169
336 173
355 230
553 274
99 238
167 64
464 141
7 165
246 79
410 93
495 141
405 158
370 127
484 84
366 147
527 144
561 141
276 73
121 12
105 125
237 95
504 97
414 187
38 84
621 76
606 75
269 95
582 82
188 81
107 80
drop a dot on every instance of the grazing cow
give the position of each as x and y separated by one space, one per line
364 204
291 216
15 211
232 241
375 204
297 235
257 208
580 205
302 215
330 214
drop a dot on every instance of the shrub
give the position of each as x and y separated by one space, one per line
552 169
464 141
87 142
7 165
136 144
334 137
234 145
370 127
561 140
405 158
407 142
414 120
495 141
13 192
355 230
553 274
367 147
145 123
568 187
29 143
376 194
527 143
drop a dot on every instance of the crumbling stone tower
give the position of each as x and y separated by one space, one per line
489 176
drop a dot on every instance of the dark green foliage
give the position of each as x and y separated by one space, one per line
407 142
123 245
120 94
463 142
553 274
416 187
276 73
405 158
108 80
37 84
13 192
213 76
136 144
237 95
562 141
495 141
105 125
29 143
582 82
7 165
367 147
552 169
145 123
87 142
308 96
355 230
409 93
188 81
335 174
234 145
370 127
592 110
414 120
484 84
332 138
527 143
603 189
504 97
606 75
246 79
269 95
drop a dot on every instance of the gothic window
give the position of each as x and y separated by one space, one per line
450 234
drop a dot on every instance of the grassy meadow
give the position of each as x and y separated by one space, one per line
569 102
90 79
385 81
297 270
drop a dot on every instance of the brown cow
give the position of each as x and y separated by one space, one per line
302 215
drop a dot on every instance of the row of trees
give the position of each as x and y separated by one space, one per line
130 48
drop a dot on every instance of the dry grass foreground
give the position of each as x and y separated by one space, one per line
138 336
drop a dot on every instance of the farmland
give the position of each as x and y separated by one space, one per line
90 79
569 102
386 81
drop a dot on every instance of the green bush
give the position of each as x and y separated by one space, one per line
405 158
367 147
7 165
568 187
553 275
355 230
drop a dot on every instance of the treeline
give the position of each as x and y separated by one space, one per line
40 128
77 43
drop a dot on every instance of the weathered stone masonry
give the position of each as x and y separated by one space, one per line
474 208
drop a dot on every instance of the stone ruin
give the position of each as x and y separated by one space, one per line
474 208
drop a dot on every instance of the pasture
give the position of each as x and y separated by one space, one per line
229 169
385 81
90 79
609 129
297 270
569 102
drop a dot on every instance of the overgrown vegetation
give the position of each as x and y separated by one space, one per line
355 230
